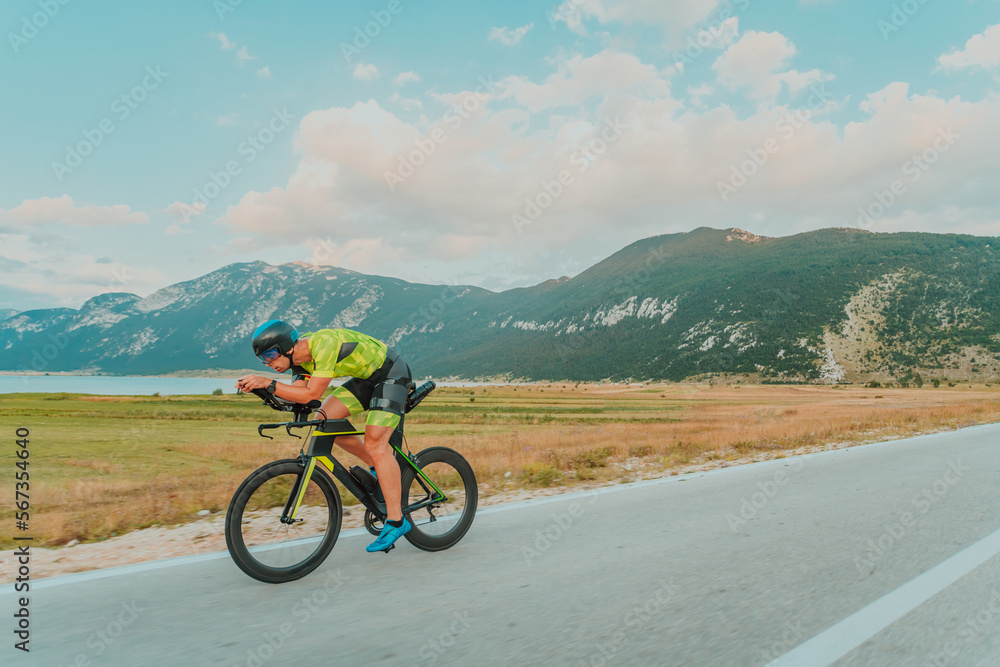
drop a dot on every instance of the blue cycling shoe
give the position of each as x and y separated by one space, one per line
387 538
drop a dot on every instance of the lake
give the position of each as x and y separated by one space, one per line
136 386
113 386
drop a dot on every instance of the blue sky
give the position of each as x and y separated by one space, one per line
834 98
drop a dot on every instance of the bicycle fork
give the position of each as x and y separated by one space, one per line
298 492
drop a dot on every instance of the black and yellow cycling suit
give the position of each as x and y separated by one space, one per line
380 380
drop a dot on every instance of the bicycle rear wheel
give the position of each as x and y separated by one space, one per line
439 521
275 552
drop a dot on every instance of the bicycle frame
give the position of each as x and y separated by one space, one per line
320 449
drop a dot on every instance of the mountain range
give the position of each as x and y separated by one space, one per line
834 305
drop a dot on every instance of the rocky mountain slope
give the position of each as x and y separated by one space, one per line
828 306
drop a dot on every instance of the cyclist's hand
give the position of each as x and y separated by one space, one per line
248 383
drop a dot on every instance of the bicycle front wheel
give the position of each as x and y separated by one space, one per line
440 501
275 552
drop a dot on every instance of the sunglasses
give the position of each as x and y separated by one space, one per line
267 356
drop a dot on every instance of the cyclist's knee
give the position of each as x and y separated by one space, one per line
377 437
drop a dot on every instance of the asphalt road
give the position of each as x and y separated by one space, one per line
875 555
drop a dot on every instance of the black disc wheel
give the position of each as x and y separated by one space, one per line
268 549
440 500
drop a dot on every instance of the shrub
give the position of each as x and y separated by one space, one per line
217 392
640 450
540 474
592 458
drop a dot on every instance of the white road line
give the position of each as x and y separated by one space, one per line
839 640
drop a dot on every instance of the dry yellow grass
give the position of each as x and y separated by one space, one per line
132 466
715 424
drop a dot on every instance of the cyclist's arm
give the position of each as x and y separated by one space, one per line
302 391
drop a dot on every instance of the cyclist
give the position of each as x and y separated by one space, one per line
379 383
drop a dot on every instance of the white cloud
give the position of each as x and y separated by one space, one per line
224 42
407 77
753 63
676 16
46 210
366 72
408 103
264 73
509 37
982 50
456 209
719 35
697 93
355 252
242 56
580 79
715 35
228 119
452 215
80 276
181 210
54 268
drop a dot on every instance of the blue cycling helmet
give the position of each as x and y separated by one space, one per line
274 338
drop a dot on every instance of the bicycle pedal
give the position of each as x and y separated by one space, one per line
389 548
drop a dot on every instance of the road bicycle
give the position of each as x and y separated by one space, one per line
284 519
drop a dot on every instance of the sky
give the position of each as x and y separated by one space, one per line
492 144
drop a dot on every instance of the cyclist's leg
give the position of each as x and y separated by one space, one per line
386 410
345 401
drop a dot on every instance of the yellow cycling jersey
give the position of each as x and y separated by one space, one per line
343 352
